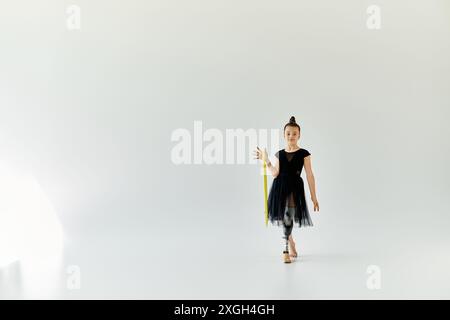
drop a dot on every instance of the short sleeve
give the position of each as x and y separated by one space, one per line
306 153
277 154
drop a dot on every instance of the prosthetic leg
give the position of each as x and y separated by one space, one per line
288 224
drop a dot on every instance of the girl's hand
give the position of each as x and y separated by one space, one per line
261 154
316 204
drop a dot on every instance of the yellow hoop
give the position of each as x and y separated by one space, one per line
266 209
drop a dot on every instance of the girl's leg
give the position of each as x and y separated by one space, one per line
293 251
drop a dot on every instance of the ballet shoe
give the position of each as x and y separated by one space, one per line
286 257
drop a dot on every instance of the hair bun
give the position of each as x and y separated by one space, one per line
292 120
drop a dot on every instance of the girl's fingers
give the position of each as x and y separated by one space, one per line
257 153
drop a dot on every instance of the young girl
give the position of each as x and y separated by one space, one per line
286 203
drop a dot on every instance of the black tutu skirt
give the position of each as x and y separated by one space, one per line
282 187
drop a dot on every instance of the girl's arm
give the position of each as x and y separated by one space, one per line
311 181
274 168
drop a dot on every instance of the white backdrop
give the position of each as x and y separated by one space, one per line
89 114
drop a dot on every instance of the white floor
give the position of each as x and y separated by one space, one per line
226 263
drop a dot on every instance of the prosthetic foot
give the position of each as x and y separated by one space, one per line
286 257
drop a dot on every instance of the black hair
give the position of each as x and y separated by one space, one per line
291 123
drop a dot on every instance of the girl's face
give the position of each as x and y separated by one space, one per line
291 134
